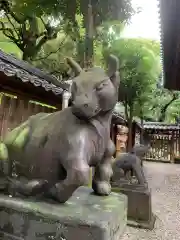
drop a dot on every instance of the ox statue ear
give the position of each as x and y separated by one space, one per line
113 70
74 65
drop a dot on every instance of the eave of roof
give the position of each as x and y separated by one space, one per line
11 66
120 119
160 126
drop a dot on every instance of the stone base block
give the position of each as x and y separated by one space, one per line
139 205
84 217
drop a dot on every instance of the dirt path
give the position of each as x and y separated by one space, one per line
164 181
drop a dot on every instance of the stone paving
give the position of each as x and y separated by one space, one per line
164 181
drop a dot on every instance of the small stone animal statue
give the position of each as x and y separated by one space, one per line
51 154
131 163
140 150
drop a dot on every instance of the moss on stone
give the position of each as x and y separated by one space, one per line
12 135
116 189
3 152
20 140
83 205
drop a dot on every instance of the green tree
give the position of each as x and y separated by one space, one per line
160 100
26 30
9 47
94 13
151 44
52 55
173 112
139 71
51 58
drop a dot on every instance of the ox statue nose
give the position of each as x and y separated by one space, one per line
86 105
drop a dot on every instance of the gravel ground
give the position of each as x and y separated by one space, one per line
164 181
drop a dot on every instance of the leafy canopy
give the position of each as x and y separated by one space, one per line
102 10
139 69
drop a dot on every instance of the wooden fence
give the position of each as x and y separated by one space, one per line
165 145
14 110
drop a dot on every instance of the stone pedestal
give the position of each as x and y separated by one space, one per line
84 217
139 205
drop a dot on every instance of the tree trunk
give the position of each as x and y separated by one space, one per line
126 111
89 52
81 52
89 40
142 122
130 129
141 132
25 56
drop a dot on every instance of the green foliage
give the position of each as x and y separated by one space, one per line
162 105
52 55
51 58
139 71
106 33
9 47
25 29
31 30
109 31
173 112
102 10
150 44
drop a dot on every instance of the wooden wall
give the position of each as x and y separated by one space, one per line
14 110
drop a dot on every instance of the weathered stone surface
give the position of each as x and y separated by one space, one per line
139 205
84 217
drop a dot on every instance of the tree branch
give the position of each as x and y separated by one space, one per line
55 72
8 32
164 108
41 42
12 24
52 52
43 21
4 29
5 6
7 11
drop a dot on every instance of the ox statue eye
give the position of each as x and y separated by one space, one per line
102 85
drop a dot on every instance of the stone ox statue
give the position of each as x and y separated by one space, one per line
51 154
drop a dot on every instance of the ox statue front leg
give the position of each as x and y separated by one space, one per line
76 176
103 172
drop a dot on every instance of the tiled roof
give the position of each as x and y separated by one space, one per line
120 119
12 66
160 126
